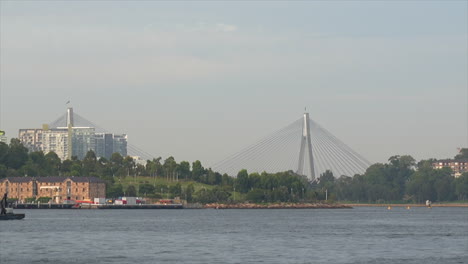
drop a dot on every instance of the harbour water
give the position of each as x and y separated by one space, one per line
359 235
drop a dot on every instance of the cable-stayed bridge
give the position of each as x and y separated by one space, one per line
303 147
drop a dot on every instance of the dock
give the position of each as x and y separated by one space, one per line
98 206
138 206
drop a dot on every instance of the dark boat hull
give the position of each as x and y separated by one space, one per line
12 217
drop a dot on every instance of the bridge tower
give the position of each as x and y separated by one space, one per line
70 132
306 162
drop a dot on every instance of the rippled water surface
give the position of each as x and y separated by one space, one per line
360 235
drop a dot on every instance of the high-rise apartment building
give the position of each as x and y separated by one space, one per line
31 138
108 143
82 140
55 140
120 144
70 140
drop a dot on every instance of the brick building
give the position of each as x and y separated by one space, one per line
458 166
57 188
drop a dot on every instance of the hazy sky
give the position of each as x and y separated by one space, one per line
202 80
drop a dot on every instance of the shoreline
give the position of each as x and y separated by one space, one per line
277 206
406 205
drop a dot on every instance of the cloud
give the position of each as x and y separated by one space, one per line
225 28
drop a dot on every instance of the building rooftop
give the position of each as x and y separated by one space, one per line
53 179
451 160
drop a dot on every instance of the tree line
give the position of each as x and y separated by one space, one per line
399 180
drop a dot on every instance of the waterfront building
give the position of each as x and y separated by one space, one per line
458 166
58 189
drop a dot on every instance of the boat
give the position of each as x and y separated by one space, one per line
7 213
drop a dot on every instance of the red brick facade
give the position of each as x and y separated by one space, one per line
57 188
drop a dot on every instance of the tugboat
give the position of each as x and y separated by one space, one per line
7 213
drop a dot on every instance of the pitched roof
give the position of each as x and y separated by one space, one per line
451 160
16 179
53 179
86 179
50 179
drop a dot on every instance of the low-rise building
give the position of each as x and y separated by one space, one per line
458 166
58 189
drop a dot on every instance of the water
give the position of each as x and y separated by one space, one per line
360 235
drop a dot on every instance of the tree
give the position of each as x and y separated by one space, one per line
184 170
170 166
4 149
114 191
242 181
146 189
131 191
461 186
175 190
256 196
189 190
89 163
197 170
17 154
128 164
53 163
463 154
326 179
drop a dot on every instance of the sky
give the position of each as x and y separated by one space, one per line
201 80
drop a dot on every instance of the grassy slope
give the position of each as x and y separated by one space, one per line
136 181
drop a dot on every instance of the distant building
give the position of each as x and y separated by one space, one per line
138 160
82 140
69 140
31 138
107 144
120 144
58 189
3 138
458 166
55 140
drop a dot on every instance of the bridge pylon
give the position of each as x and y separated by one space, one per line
306 159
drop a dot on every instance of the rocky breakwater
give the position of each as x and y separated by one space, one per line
277 206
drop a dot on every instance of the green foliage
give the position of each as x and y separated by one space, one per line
401 179
115 191
189 190
146 189
463 154
44 199
30 200
212 196
242 181
131 191
461 187
175 190
197 170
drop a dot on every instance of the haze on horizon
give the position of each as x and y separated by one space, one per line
202 80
